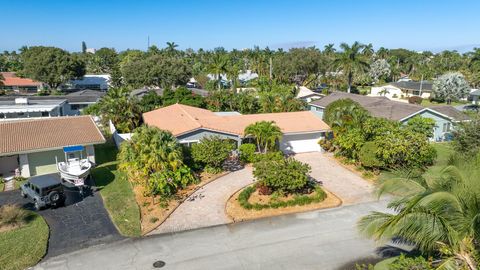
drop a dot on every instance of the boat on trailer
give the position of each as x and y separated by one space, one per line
75 169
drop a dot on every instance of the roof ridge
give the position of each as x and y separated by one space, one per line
188 115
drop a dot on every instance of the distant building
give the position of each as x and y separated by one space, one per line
91 50
403 89
92 82
307 95
20 85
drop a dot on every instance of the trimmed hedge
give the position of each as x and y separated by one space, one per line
243 197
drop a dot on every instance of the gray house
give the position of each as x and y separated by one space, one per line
445 117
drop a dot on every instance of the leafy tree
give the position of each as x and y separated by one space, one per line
150 101
286 175
50 65
183 96
379 69
153 158
103 61
247 152
266 134
421 125
350 61
451 86
349 142
2 79
467 136
212 151
299 65
368 156
84 47
439 216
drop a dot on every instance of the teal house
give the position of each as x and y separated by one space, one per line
445 117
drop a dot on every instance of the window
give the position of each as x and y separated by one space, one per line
74 107
45 114
446 127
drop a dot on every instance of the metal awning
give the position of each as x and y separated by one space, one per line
75 148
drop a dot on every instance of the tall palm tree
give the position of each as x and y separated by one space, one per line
171 47
266 134
350 61
218 66
368 50
440 215
329 49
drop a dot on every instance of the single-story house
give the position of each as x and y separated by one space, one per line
139 93
403 89
19 85
445 117
92 82
32 146
301 130
27 106
307 95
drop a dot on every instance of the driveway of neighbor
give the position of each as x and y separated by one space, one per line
324 240
80 224
206 206
347 185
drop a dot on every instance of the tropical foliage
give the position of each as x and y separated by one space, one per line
265 133
451 86
153 158
467 137
212 152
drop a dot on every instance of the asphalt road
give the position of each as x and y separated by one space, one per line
326 239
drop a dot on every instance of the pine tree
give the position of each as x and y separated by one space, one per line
84 47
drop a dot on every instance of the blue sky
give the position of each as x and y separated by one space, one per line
419 25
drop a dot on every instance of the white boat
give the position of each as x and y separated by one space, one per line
74 170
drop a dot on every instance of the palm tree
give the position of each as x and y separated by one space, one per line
171 47
368 50
329 49
350 61
218 66
119 107
266 134
440 215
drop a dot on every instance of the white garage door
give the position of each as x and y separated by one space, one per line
301 143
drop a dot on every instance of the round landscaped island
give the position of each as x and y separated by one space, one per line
282 187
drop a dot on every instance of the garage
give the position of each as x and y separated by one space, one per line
301 143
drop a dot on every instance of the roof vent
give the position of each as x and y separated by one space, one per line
21 101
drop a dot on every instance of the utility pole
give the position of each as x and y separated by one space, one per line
148 42
271 68
421 85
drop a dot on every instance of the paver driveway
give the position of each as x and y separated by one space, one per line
206 207
347 185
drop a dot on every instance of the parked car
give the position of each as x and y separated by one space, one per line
44 190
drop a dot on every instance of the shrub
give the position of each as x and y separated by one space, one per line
277 155
247 152
212 151
368 155
243 197
421 125
326 145
415 100
12 215
285 175
410 263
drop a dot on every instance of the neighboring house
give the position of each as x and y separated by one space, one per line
18 106
301 130
32 146
474 96
242 77
92 82
445 117
308 95
20 85
24 107
403 89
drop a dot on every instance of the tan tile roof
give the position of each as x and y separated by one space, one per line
180 119
23 136
12 80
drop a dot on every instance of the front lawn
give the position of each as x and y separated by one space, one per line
444 151
23 247
116 191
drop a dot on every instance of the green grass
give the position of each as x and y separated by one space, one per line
116 191
428 103
24 247
444 151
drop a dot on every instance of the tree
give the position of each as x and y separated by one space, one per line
153 158
466 137
421 125
1 79
344 113
218 66
84 47
171 47
212 151
451 86
286 175
103 61
182 95
266 134
379 69
350 61
51 65
440 216
150 101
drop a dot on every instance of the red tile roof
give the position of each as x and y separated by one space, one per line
12 80
23 136
180 119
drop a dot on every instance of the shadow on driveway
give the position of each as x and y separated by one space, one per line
79 224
